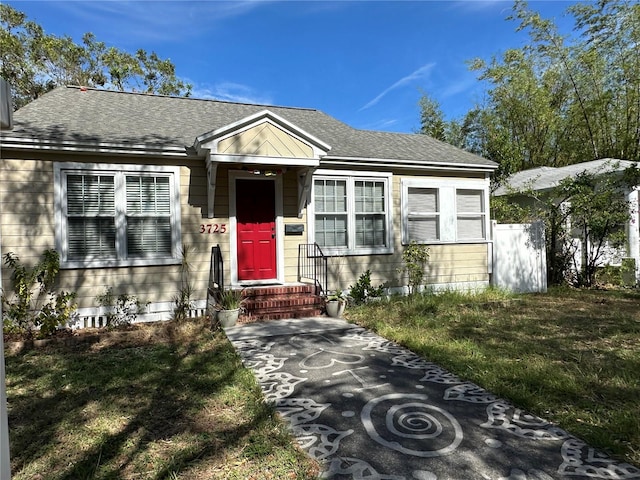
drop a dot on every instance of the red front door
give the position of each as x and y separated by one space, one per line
256 229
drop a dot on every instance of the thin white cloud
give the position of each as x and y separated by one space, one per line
133 21
459 86
416 75
475 5
231 92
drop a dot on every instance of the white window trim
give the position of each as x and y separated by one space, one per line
448 211
351 176
60 194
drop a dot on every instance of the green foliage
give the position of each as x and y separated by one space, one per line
415 258
589 206
182 301
337 296
122 309
434 124
230 299
363 289
34 305
559 99
505 210
34 62
432 120
598 210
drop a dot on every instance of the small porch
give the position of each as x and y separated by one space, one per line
301 299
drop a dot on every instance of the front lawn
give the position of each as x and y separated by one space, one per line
570 356
173 401
159 401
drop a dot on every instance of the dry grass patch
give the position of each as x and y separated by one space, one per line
156 401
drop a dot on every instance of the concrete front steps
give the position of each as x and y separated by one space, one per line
278 302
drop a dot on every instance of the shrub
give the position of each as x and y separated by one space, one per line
363 289
121 310
33 304
415 257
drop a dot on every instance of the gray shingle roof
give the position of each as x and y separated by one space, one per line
89 116
544 178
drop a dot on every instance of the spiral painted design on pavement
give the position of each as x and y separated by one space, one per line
409 424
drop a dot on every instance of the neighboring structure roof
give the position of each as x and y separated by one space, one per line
84 119
544 178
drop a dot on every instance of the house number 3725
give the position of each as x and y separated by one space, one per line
213 228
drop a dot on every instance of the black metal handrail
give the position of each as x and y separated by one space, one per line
216 272
312 266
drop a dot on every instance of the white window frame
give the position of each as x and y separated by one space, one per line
447 206
351 177
62 169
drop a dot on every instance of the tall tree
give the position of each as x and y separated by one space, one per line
434 124
34 62
560 100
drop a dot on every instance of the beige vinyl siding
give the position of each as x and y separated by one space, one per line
26 193
28 228
26 208
449 263
290 214
265 139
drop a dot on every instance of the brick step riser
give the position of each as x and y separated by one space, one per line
278 291
279 315
274 303
282 296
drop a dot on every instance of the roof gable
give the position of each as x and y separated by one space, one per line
262 134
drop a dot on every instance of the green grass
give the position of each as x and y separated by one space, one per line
160 401
570 356
173 400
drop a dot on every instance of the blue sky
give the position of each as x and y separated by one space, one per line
366 63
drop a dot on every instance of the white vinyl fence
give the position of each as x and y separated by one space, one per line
519 257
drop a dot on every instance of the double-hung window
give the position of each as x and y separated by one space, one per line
351 213
121 215
444 210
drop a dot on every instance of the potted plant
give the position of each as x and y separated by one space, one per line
335 304
229 303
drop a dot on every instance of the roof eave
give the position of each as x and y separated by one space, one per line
102 148
405 164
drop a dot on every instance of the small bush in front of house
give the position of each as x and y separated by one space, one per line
122 309
363 289
33 305
415 257
182 303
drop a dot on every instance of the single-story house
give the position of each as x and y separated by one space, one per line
120 184
543 180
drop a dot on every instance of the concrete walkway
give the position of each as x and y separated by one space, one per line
367 408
